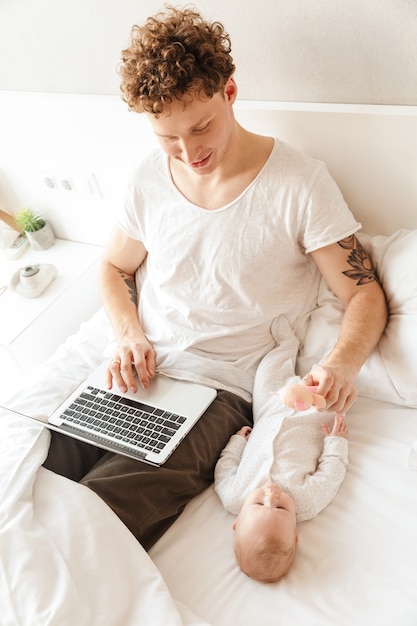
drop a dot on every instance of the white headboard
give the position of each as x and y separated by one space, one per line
370 150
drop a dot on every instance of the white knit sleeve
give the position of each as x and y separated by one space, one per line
225 473
319 489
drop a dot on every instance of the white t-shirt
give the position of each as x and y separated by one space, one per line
215 280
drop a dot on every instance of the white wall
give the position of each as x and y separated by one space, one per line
362 51
92 141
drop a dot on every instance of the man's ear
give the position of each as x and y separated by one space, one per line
230 90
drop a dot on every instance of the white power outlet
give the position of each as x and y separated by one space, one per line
49 182
76 182
67 184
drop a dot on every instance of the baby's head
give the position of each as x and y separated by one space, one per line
265 534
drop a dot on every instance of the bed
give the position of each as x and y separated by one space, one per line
66 559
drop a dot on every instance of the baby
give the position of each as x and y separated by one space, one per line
286 470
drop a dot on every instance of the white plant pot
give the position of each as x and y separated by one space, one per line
41 239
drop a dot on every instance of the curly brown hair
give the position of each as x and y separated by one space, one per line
173 55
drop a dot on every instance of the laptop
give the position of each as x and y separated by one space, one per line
147 425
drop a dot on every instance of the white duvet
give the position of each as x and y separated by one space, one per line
65 558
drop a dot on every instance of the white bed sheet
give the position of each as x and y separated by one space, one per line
66 559
356 563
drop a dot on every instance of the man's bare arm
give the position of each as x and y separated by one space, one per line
348 270
122 258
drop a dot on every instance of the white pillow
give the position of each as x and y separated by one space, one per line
390 373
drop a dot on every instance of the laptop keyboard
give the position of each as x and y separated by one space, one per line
122 420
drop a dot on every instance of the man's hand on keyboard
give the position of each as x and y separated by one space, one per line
131 362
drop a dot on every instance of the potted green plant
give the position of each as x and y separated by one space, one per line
38 231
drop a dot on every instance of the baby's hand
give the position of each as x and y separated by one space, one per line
245 431
339 427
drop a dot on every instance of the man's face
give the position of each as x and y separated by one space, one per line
197 133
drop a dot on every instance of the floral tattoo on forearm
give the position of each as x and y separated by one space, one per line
131 286
359 260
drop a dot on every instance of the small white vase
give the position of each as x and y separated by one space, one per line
41 239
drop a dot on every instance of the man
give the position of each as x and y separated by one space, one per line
224 230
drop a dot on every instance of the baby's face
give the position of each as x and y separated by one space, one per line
268 510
